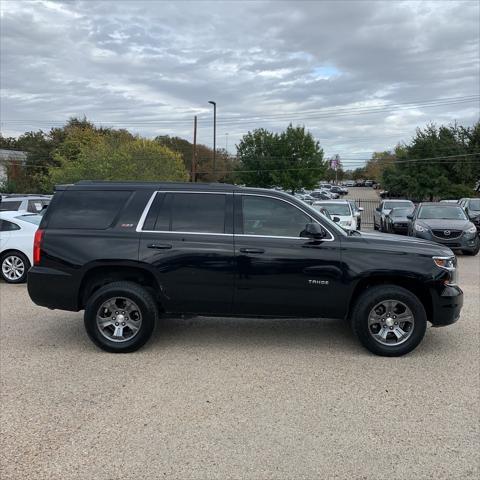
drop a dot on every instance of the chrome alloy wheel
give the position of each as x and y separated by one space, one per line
119 319
391 322
13 267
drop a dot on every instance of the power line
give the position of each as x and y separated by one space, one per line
306 114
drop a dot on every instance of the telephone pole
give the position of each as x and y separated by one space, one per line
193 170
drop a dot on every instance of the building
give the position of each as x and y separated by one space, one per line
10 157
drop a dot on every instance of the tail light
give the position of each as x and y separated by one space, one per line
37 246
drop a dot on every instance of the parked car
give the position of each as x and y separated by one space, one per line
324 212
317 195
349 183
357 212
396 221
128 252
17 231
446 224
338 190
472 209
384 208
341 212
26 203
449 201
359 183
369 183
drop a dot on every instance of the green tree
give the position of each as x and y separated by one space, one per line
257 153
292 159
88 154
439 162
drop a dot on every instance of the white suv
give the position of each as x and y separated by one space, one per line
25 203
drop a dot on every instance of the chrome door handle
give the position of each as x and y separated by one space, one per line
160 246
252 250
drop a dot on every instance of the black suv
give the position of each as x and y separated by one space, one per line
129 252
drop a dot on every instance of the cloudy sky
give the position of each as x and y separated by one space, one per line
360 75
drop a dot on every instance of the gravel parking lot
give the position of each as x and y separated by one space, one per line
222 398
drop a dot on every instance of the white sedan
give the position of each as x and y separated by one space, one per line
17 231
340 211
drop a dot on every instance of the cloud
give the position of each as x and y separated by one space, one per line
150 66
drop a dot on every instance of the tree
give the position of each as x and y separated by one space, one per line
292 159
99 155
439 162
375 167
224 162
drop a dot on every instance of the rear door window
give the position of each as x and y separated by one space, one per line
198 212
88 209
187 212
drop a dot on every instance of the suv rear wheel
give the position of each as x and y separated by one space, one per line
389 320
120 317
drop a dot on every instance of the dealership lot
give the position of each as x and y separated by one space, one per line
223 398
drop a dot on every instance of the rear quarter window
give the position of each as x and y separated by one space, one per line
87 209
5 206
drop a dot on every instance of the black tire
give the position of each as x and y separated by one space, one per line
375 225
146 305
24 260
371 297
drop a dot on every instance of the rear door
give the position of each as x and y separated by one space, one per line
279 272
187 237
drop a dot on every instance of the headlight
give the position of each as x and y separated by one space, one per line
472 229
445 262
419 228
449 264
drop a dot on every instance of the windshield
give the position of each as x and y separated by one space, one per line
341 209
390 205
401 212
474 204
33 218
447 212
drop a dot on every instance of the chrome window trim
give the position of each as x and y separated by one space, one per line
143 217
144 214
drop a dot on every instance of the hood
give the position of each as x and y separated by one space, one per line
444 224
400 219
406 244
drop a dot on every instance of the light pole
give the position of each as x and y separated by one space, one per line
214 133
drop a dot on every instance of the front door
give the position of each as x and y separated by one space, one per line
187 238
279 272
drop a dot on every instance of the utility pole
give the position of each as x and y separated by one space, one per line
226 143
214 135
193 174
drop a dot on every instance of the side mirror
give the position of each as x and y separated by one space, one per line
410 217
336 219
388 212
378 209
313 230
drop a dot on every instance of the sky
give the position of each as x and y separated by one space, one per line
360 75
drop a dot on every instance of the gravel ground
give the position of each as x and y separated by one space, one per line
241 399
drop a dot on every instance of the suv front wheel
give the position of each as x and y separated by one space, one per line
389 320
120 317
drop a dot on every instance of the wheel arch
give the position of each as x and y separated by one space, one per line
413 285
100 275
